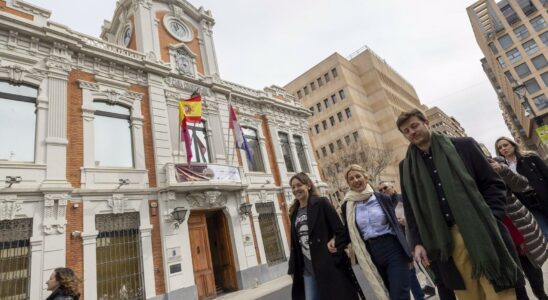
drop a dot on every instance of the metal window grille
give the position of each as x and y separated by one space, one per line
119 265
15 259
270 232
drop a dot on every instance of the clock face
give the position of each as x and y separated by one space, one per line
178 29
183 63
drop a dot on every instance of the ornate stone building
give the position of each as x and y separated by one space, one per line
96 175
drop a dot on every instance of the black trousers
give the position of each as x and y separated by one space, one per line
534 275
393 264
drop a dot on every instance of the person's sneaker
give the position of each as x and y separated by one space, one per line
429 291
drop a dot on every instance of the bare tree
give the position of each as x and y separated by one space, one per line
373 160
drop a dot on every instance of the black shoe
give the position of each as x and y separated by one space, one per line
429 291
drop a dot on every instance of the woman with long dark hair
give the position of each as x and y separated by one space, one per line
317 273
63 284
535 170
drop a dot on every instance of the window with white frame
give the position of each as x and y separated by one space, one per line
18 122
252 139
286 151
15 257
119 257
200 143
270 233
112 133
301 154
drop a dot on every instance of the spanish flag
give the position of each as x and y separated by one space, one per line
191 109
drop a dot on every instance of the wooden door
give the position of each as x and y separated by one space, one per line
224 260
201 256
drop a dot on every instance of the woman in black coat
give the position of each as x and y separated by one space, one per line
536 172
317 274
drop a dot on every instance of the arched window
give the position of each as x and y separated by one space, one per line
299 147
18 122
200 144
252 139
286 151
113 141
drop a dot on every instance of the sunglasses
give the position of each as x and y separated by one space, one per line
384 188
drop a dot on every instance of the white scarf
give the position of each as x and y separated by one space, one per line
367 266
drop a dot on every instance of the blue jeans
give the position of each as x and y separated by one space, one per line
542 221
310 288
392 263
416 289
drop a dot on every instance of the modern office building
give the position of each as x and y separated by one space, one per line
513 35
96 178
440 121
355 102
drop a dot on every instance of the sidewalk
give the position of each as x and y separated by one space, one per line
280 289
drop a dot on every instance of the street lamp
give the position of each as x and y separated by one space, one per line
521 90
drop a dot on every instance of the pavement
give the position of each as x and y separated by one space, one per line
280 289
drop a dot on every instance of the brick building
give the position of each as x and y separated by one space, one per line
95 168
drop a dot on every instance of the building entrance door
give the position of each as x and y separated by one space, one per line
212 259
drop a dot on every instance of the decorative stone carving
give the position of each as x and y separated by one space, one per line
9 206
207 199
54 213
112 96
15 73
118 203
263 196
187 86
58 63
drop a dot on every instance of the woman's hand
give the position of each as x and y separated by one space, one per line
331 246
495 165
420 255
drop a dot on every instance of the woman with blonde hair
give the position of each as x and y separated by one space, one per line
535 170
376 236
63 284
317 274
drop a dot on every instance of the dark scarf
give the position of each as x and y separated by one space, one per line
476 222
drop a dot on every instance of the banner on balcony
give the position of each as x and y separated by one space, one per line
201 172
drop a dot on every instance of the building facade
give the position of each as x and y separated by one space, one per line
440 121
513 35
96 175
355 102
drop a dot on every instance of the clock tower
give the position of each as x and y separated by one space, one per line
172 31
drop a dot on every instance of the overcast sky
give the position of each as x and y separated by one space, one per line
260 43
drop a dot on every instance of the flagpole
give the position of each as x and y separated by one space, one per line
179 141
228 139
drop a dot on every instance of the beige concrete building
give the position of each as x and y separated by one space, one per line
355 102
513 35
440 121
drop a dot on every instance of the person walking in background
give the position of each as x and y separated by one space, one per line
317 274
454 203
377 239
387 188
535 170
526 234
63 285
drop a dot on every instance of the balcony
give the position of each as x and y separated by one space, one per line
196 177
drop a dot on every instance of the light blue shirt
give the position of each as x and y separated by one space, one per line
371 220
